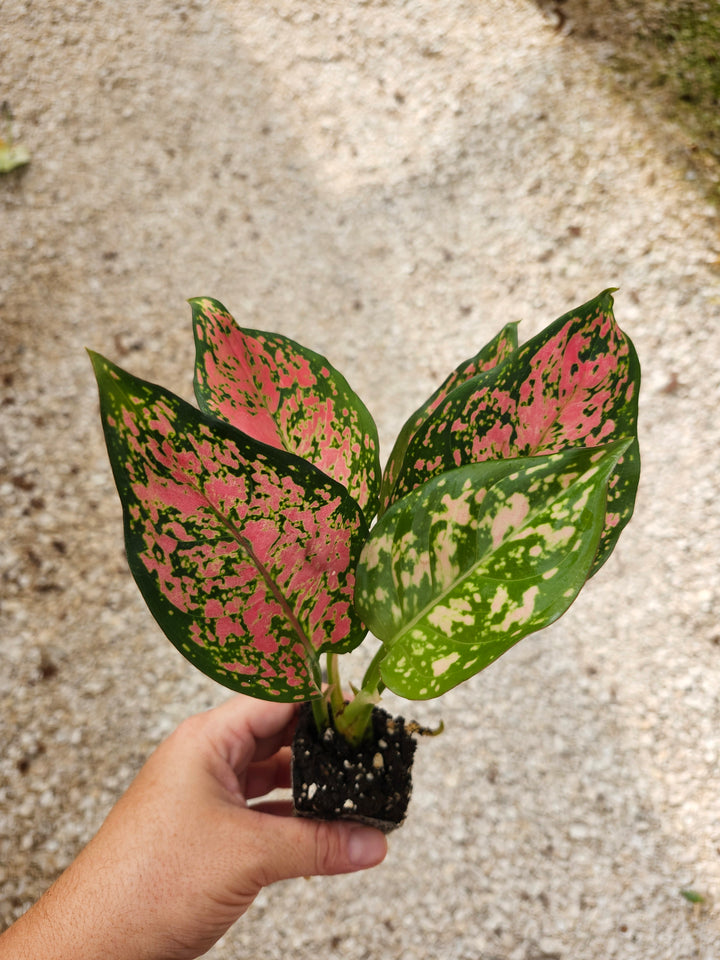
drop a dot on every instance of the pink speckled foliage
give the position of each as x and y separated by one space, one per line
575 384
245 554
492 354
289 397
247 522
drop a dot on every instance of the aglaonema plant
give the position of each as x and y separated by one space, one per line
267 541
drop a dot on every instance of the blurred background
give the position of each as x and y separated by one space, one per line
388 183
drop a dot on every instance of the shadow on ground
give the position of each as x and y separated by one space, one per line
666 58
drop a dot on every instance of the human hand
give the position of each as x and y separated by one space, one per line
181 856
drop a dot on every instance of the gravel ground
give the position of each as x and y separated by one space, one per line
388 183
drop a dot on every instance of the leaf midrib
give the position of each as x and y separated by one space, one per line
246 545
466 575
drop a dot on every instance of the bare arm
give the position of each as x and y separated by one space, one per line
181 856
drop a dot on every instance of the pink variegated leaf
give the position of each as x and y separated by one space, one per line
574 384
492 355
287 396
245 554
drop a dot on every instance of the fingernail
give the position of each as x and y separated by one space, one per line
366 846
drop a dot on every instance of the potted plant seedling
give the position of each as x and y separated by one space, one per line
265 539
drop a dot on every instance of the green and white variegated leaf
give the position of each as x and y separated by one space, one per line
576 383
287 396
492 355
458 571
245 554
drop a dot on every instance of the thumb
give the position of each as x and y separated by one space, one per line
297 847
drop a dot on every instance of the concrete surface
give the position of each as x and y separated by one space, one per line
388 183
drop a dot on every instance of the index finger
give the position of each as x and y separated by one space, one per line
245 730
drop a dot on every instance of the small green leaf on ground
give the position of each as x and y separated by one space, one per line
692 896
12 156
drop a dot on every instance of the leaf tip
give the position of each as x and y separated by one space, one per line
199 304
97 360
607 295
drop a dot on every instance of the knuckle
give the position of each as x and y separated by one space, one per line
328 848
190 728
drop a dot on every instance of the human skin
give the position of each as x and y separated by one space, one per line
182 855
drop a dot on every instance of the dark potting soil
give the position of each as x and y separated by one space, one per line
370 783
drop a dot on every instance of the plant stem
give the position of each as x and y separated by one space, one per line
337 700
354 719
351 720
320 712
372 681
